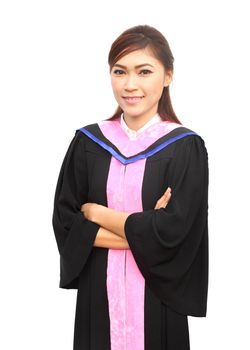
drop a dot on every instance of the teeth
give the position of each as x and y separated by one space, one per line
133 98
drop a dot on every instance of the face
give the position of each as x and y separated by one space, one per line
137 81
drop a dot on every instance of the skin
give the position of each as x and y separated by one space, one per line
137 81
139 74
111 234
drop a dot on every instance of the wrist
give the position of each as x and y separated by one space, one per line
98 213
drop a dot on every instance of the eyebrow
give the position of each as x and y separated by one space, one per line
139 66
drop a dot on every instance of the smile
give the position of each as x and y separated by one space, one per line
133 99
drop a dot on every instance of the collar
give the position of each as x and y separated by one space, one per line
133 134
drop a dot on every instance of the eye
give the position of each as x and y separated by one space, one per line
118 72
145 72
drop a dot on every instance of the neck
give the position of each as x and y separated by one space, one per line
135 123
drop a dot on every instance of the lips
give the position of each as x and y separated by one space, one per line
132 99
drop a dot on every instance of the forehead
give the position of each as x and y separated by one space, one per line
139 57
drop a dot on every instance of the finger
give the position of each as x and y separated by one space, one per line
167 195
163 201
167 192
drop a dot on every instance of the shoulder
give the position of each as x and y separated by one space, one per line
82 134
187 142
96 126
180 136
189 135
99 132
88 127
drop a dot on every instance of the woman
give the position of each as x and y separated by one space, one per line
138 258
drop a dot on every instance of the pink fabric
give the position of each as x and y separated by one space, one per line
125 283
113 131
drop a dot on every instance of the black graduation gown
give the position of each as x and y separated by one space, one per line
170 245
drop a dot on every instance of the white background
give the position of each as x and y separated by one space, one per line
54 79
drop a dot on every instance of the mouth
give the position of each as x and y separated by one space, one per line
133 99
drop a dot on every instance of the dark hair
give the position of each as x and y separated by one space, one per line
139 38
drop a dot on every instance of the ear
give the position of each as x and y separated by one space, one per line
168 78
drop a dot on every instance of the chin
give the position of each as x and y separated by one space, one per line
133 114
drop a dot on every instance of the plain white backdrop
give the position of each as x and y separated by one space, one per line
54 79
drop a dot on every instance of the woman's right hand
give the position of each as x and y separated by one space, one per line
163 201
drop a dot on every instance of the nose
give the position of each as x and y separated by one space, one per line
130 83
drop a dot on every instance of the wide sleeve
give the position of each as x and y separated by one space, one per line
170 245
74 234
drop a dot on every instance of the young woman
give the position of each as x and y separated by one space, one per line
138 258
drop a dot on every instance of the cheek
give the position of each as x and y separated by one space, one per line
117 91
116 85
155 86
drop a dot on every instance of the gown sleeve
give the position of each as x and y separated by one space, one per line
170 245
75 235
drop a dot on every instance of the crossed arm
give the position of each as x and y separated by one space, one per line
111 233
